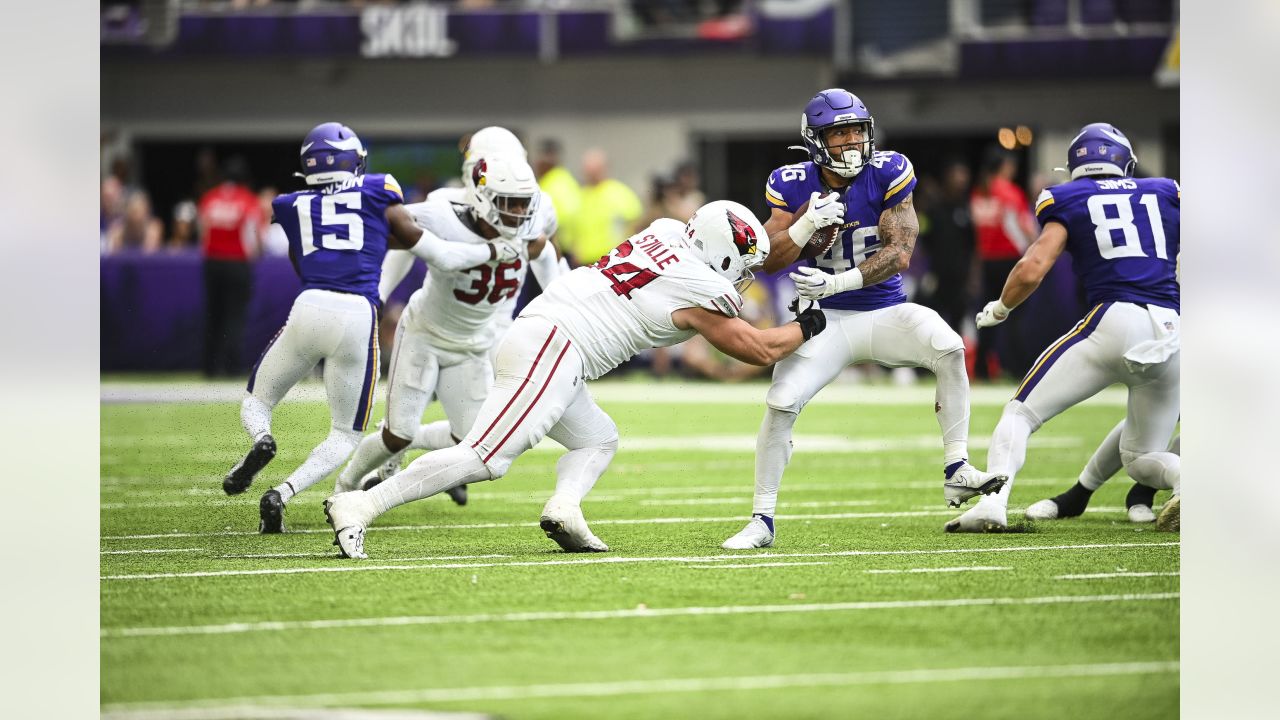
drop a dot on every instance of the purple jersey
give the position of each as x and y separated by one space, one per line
338 234
1122 234
886 180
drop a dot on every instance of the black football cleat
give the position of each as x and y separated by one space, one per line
271 513
241 476
458 494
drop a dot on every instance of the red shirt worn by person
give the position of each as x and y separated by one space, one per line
1001 220
230 219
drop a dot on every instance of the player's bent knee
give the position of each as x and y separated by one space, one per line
784 397
1017 411
393 440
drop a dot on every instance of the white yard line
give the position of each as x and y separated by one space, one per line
259 712
355 566
613 391
746 500
148 551
963 568
1100 576
331 555
170 711
753 565
629 613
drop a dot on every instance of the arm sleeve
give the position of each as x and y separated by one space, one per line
395 266
546 267
450 256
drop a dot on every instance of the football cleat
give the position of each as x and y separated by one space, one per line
271 513
983 517
1169 519
563 522
241 476
1064 505
755 535
348 514
968 481
1139 502
458 494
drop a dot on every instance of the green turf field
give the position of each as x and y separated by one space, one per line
863 608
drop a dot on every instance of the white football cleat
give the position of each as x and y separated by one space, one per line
349 514
563 522
755 535
968 482
983 517
1141 514
1045 509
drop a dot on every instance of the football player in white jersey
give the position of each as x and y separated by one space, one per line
444 334
544 263
660 287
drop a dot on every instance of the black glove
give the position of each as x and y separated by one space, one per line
812 322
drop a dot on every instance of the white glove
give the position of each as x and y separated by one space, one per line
505 252
993 313
813 284
823 210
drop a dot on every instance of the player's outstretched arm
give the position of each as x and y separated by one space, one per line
1026 275
740 340
1031 269
444 254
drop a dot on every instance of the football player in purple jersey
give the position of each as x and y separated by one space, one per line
1123 236
338 229
867 194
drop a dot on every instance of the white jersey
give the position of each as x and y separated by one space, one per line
621 305
456 309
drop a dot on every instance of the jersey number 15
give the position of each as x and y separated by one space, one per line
330 216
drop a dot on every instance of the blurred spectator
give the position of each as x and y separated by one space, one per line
138 229
608 212
112 207
1005 227
182 234
206 171
230 224
271 245
556 181
949 244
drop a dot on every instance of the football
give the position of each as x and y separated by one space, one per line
821 239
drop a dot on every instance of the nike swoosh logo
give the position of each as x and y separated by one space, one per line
306 147
1117 138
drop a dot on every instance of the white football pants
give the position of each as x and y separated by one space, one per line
906 335
539 392
342 330
1078 366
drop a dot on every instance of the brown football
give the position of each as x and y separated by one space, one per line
820 241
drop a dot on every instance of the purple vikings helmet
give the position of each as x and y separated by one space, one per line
832 108
332 153
1101 149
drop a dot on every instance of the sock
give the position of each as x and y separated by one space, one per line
371 453
578 470
768 520
1105 461
430 474
433 436
1140 494
773 452
323 460
255 415
1008 450
951 406
1073 502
